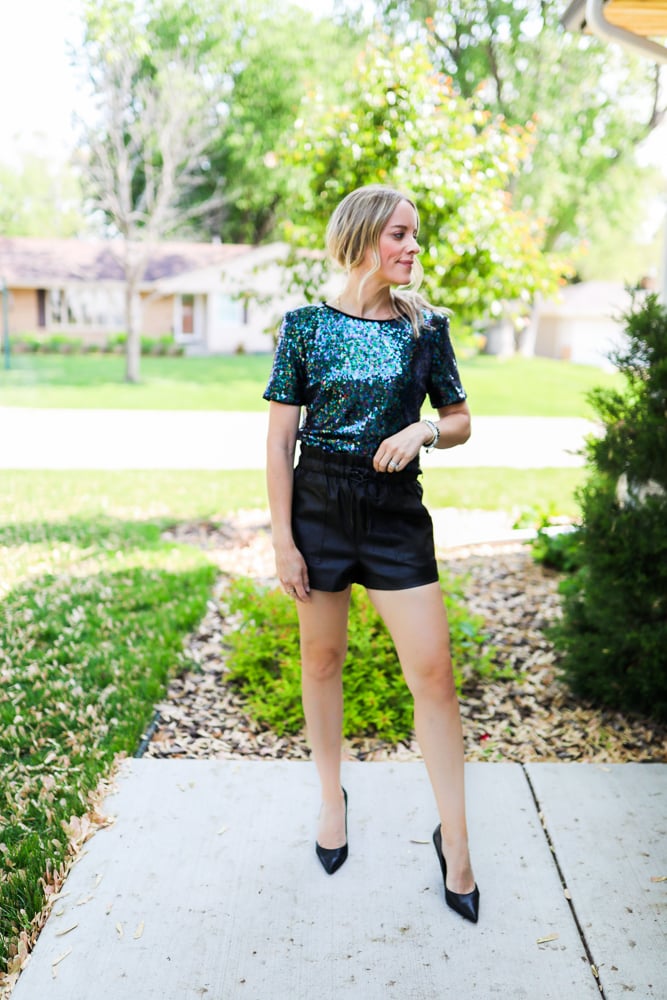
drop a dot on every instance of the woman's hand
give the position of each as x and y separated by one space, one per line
396 451
293 573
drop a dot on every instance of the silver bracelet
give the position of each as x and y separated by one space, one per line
436 434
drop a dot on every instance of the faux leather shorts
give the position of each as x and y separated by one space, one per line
355 525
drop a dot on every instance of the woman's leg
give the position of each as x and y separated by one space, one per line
417 622
323 631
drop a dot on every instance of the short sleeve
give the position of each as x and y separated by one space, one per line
444 383
287 380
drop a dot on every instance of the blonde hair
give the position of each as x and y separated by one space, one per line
356 225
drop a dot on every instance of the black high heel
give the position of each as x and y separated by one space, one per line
332 858
466 904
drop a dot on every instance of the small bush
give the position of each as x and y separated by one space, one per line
116 343
26 343
559 550
62 343
264 661
614 629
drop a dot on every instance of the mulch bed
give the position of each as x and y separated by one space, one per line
531 716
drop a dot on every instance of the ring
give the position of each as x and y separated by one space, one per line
393 464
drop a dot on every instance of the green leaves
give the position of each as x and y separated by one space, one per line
264 661
400 122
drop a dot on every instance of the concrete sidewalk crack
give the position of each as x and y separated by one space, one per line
561 875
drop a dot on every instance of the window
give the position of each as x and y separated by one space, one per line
85 306
232 310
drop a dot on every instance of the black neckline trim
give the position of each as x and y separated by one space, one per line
361 319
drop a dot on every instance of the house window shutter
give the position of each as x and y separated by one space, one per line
41 307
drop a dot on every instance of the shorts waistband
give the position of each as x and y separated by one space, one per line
343 463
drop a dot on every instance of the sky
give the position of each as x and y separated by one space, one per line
37 84
38 88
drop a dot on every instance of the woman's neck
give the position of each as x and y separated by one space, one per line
366 302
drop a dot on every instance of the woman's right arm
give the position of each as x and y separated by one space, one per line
280 448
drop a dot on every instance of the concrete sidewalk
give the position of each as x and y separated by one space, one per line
207 886
169 439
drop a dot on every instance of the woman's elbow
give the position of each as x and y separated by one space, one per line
466 430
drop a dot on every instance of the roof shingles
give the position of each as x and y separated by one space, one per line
35 262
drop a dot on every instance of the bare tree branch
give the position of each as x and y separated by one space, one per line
144 157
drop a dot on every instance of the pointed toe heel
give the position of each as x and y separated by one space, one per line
332 858
466 904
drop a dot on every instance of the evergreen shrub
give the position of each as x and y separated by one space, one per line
613 634
264 660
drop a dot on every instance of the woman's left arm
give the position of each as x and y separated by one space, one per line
453 424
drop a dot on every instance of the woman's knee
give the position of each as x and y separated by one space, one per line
432 679
322 662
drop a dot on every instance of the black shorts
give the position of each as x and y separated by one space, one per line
355 525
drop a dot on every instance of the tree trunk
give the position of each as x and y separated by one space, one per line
133 346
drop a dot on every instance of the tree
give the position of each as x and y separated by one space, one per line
40 198
145 151
614 628
402 123
280 51
591 104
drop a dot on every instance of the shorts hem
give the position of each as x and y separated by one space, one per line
384 585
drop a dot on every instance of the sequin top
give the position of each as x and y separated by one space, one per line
360 380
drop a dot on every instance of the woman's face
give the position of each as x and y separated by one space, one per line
398 246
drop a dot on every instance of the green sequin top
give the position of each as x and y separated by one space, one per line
360 380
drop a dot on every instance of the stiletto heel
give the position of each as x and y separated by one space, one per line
466 904
332 858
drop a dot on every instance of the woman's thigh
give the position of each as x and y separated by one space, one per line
417 622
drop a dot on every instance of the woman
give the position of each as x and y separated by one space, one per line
351 512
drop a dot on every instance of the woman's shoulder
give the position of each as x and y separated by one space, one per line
435 321
303 317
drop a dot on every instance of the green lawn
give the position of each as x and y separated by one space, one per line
163 497
94 611
496 387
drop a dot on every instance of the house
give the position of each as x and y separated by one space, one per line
583 325
210 297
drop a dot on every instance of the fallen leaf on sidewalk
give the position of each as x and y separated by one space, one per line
658 878
547 938
139 931
56 962
66 930
414 841
223 829
119 930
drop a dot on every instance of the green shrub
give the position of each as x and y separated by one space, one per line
559 550
264 661
26 343
613 634
116 343
62 343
